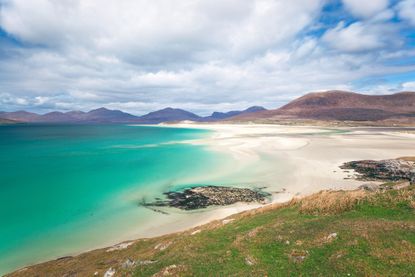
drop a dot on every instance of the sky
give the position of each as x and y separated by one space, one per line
199 55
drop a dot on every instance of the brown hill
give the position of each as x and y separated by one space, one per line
7 121
342 106
22 116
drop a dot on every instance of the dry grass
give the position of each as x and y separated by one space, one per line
173 270
334 202
331 202
408 159
399 196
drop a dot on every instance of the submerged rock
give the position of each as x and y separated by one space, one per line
203 197
389 170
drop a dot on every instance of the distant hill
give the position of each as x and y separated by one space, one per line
20 116
343 106
103 115
7 121
328 106
220 116
56 117
168 115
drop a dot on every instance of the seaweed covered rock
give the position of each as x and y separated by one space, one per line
390 170
205 196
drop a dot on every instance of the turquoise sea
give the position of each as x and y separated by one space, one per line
69 188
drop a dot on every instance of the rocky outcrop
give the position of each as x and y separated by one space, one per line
203 197
388 170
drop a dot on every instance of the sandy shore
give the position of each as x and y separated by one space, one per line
288 161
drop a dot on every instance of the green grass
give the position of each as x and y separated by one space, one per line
376 237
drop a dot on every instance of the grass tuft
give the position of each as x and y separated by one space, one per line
331 202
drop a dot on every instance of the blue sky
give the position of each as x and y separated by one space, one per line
203 56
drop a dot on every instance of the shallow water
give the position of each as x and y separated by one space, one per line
65 189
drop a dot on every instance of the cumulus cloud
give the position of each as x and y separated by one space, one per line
141 55
365 9
406 11
159 31
408 86
360 36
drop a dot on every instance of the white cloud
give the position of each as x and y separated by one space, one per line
359 37
159 31
408 86
365 9
406 11
141 55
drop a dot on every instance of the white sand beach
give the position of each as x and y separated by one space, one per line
288 161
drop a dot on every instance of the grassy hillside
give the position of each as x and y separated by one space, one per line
339 233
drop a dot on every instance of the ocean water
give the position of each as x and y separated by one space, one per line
68 188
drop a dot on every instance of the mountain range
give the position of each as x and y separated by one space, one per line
103 115
322 106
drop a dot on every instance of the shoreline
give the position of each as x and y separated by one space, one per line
293 149
310 204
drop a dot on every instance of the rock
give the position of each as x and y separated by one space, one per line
120 246
171 270
369 187
146 262
195 232
250 261
226 221
128 264
402 185
110 272
390 170
331 237
298 256
163 245
70 274
205 196
254 232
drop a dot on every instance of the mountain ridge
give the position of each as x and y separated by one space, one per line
104 115
334 105
223 115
